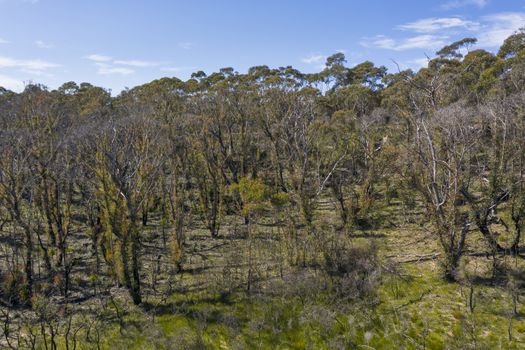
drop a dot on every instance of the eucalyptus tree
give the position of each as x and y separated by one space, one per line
441 144
513 53
496 196
16 198
129 160
443 147
350 105
40 201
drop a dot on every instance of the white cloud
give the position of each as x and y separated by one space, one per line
43 45
37 73
176 69
500 26
11 83
454 4
107 69
418 63
40 65
425 41
434 33
3 41
314 59
136 63
21 1
431 25
380 41
421 42
110 61
108 65
99 58
186 45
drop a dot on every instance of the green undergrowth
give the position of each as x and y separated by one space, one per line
415 311
412 308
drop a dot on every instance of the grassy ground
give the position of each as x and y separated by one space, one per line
422 312
208 306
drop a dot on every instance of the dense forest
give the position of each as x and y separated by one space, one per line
354 208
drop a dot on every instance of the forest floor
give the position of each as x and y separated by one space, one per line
209 304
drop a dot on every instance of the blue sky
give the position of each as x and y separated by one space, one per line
118 44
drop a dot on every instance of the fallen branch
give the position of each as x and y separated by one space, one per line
412 301
419 258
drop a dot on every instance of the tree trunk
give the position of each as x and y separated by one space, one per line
135 266
514 249
144 216
124 260
29 265
453 249
214 214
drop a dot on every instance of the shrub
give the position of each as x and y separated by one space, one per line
13 287
355 269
